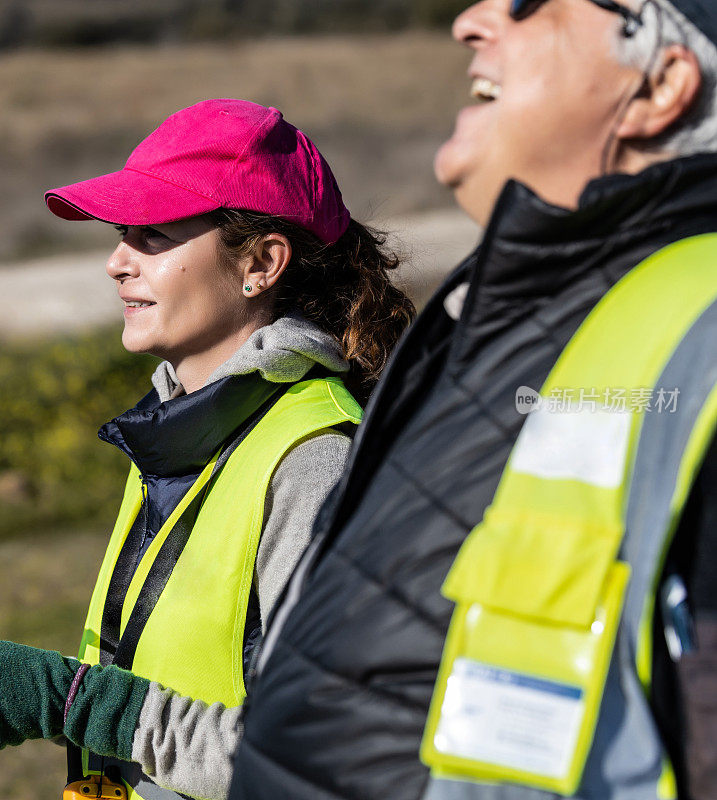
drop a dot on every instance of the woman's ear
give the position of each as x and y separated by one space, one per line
668 95
271 257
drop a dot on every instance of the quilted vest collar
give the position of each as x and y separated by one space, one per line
178 437
534 251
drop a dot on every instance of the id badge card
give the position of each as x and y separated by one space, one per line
517 698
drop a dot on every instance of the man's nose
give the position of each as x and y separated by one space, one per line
120 265
479 21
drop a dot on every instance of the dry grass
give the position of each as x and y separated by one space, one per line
46 586
377 106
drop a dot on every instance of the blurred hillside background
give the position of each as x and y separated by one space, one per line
82 82
375 84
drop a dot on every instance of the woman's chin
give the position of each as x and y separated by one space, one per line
136 343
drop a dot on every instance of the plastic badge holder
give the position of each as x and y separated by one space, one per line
517 699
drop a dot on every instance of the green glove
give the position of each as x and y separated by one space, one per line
33 687
105 713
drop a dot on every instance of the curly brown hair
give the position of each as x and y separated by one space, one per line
344 287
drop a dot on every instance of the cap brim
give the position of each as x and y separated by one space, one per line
127 197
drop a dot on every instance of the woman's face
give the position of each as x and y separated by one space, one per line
180 300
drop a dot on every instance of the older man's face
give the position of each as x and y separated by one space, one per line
560 93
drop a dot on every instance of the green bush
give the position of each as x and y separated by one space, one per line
54 395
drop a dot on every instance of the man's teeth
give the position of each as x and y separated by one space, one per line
137 304
484 89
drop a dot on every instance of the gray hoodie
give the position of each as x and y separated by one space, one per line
185 745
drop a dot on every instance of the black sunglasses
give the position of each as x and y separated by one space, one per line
519 9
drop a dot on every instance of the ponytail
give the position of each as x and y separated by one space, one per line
343 288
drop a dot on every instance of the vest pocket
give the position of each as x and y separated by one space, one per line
527 653
545 566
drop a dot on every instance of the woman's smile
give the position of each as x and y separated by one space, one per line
133 305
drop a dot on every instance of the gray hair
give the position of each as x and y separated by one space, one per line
664 25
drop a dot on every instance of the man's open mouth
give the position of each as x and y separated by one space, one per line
484 90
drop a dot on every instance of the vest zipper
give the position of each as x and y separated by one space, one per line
103 437
144 512
144 499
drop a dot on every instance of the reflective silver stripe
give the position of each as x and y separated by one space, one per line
664 437
627 750
445 789
626 758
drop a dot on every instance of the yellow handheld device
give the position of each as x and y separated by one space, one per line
94 786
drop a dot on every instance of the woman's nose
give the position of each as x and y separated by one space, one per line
120 265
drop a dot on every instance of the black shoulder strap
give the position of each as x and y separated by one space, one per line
168 556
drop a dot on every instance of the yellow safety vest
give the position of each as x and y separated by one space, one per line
192 641
533 693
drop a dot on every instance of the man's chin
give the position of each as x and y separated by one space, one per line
445 168
452 174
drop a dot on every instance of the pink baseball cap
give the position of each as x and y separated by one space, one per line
216 154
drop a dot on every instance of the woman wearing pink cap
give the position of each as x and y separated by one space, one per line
240 267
